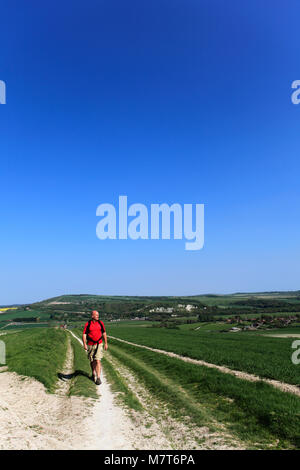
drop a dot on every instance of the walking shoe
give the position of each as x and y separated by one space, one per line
98 381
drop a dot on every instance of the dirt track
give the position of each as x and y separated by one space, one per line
31 418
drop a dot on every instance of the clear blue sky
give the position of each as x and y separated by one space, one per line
163 101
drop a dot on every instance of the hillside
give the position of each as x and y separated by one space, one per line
66 308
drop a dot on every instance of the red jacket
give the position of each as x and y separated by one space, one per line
95 331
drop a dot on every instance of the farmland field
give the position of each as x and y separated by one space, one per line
250 352
10 314
6 309
253 412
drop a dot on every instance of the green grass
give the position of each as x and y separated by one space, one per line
81 384
119 385
207 327
11 314
24 326
246 351
254 411
290 330
39 353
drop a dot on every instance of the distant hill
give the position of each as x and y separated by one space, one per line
77 307
77 298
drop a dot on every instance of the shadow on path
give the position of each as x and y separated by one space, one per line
74 374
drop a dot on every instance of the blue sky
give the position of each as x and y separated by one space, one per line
182 101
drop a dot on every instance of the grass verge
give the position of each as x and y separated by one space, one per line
81 384
119 385
38 353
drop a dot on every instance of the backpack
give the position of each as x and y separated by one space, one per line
88 330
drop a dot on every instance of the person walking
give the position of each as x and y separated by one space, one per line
92 337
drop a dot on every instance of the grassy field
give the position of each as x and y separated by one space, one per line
38 353
8 327
18 313
256 413
246 351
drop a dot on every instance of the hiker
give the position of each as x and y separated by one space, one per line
93 333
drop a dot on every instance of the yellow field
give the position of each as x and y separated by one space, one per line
7 308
